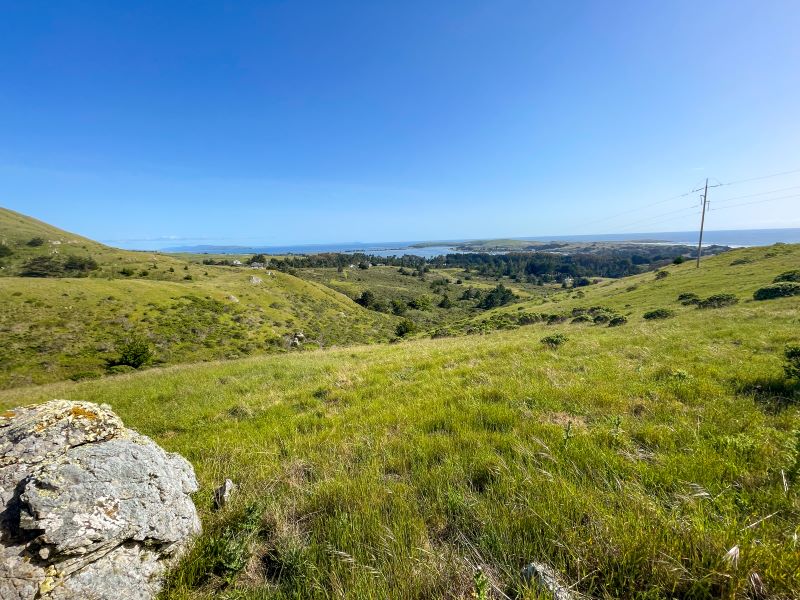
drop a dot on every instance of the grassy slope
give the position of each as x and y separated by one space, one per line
51 329
387 284
740 273
631 458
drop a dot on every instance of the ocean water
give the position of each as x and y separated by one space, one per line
733 238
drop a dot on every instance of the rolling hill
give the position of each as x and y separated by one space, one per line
659 458
54 328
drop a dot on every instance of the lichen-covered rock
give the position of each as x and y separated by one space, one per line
88 508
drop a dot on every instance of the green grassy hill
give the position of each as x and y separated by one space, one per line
53 328
636 460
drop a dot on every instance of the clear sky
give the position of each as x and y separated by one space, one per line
292 122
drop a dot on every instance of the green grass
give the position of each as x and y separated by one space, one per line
57 328
629 458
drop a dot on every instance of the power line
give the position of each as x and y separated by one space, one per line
762 177
793 187
757 201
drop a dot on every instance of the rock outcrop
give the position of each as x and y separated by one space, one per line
88 508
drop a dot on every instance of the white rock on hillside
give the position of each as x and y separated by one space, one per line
90 509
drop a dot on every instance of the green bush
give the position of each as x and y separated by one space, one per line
127 272
582 318
659 313
617 320
5 251
135 351
499 296
445 302
777 290
35 242
554 340
405 327
688 298
788 276
661 274
792 366
43 266
718 301
80 264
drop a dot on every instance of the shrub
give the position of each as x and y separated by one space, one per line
659 313
134 352
679 260
398 307
554 340
688 298
617 320
788 276
43 266
421 303
718 301
35 242
405 327
5 251
777 290
499 296
528 318
661 274
582 318
127 272
367 299
792 366
80 264
445 302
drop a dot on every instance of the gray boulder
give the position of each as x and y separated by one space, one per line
88 508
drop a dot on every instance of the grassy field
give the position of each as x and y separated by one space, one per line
631 459
54 328
388 284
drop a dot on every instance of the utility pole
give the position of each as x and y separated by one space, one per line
702 223
703 218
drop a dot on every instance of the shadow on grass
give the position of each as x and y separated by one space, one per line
772 394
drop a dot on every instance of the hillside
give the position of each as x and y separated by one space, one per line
655 459
60 327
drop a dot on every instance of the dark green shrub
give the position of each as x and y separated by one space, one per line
367 299
718 301
80 264
498 296
555 340
421 303
689 298
126 272
528 318
35 242
405 327
783 289
135 351
679 260
5 251
659 313
445 302
617 320
661 274
43 266
582 318
187 277
788 276
398 307
792 366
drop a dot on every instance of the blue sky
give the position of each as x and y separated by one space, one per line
302 122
